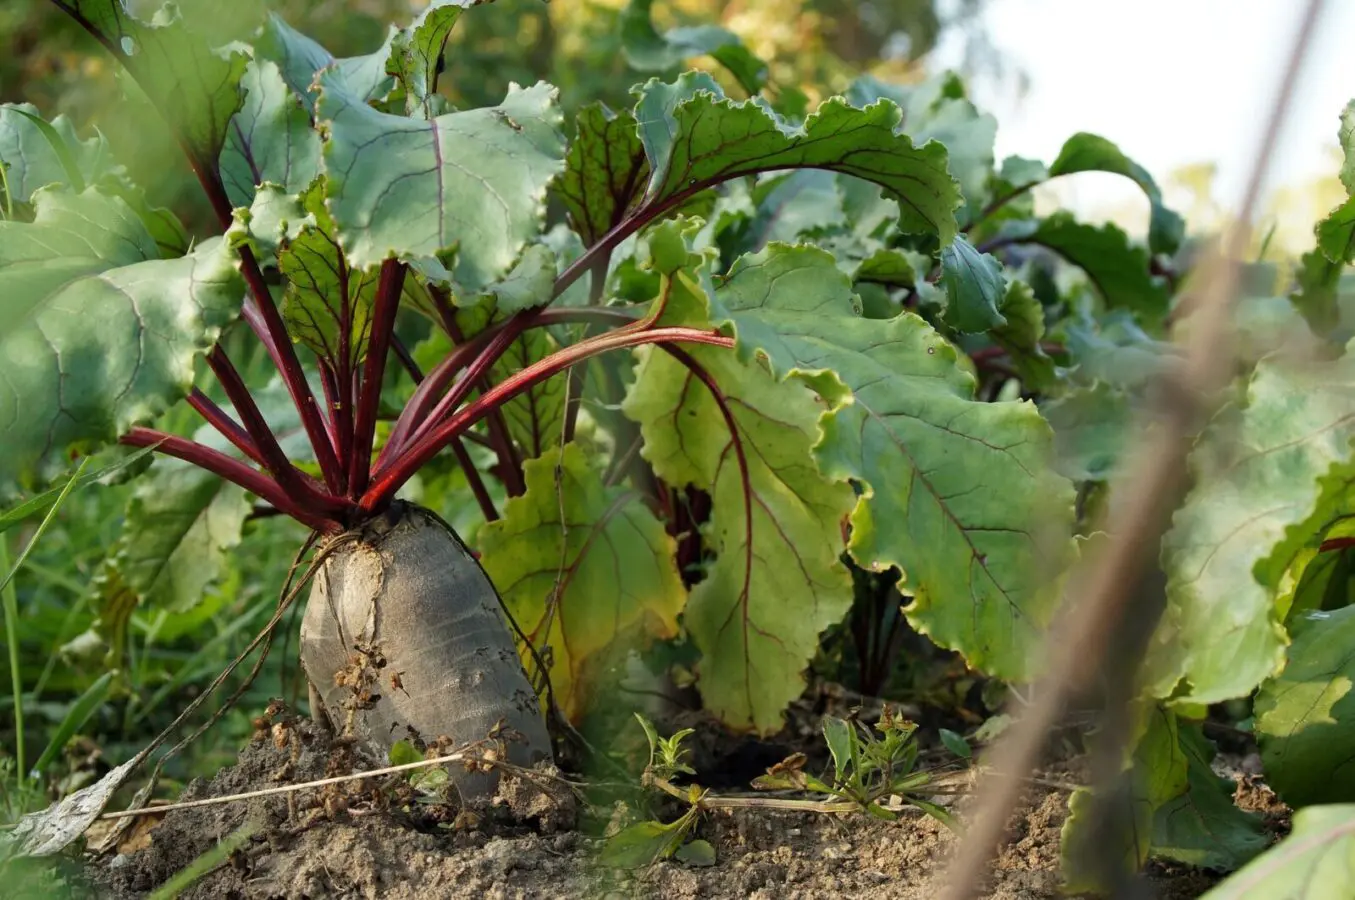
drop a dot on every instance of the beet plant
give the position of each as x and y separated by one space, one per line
701 363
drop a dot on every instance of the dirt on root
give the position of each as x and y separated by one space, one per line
353 840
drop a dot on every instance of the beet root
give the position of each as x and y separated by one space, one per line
403 635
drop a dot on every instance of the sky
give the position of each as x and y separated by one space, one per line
1173 82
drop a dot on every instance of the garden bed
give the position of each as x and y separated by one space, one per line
353 840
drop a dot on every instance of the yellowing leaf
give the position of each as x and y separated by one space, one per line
775 528
1269 478
583 568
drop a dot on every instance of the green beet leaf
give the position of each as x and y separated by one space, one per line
1305 716
1319 580
604 171
1201 826
100 333
327 305
273 219
775 525
36 153
958 494
1346 136
270 138
1315 293
535 417
939 109
649 51
887 268
583 567
1157 773
475 181
1118 270
1178 809
180 524
1319 273
179 58
695 137
1336 234
1112 348
1020 336
869 212
1313 863
1157 770
1259 474
1264 324
1330 515
529 284
299 58
1086 861
1085 152
975 288
1016 176
803 203
416 53
1091 429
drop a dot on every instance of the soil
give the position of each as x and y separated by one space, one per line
354 840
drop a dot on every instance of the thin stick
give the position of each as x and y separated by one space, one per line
291 788
10 599
1158 476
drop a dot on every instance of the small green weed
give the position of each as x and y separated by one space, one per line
871 767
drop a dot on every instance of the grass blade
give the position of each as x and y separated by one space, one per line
10 600
35 505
